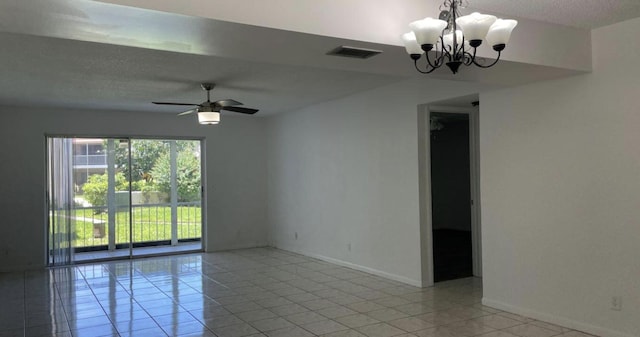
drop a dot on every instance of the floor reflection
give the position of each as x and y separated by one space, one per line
251 292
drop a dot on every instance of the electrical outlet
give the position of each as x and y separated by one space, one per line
296 235
616 303
349 246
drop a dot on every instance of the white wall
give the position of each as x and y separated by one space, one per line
560 183
347 172
560 168
235 173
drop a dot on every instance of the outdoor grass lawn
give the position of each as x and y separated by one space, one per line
151 223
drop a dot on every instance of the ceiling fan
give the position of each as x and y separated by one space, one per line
209 112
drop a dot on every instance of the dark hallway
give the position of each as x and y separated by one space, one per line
450 189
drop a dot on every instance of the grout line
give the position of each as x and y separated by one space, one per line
24 304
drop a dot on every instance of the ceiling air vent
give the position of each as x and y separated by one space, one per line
361 53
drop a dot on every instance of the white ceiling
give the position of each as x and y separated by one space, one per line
86 54
576 13
41 71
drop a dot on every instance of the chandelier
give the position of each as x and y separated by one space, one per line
454 39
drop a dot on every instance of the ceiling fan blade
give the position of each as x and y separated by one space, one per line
171 103
188 112
248 111
227 102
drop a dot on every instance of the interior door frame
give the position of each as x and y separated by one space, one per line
203 189
426 211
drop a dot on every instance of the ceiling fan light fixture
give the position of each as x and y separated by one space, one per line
209 112
208 117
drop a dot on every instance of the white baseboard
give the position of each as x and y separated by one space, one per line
222 248
394 277
553 319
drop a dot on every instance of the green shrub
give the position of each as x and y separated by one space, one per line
142 185
95 189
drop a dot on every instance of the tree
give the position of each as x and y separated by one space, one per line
150 159
187 172
144 153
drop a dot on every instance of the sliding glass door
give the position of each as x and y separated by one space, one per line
167 194
113 198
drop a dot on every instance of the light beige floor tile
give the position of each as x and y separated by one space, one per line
576 334
344 333
335 312
469 328
317 304
255 315
467 312
516 317
236 330
294 331
222 321
550 326
365 306
288 309
410 324
380 330
273 302
391 301
357 320
415 308
497 321
497 334
436 332
270 324
439 318
302 297
305 317
530 330
386 314
324 327
346 299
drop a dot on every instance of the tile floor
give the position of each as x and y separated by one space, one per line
252 292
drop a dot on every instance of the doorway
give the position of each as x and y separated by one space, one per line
450 196
112 198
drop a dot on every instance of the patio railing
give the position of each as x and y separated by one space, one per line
151 225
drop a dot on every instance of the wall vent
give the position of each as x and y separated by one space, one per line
361 53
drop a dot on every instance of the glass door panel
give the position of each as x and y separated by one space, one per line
112 198
96 191
166 196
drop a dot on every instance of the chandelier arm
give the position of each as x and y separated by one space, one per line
437 62
461 54
428 71
488 66
469 59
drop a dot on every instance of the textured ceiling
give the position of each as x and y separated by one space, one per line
42 71
575 13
